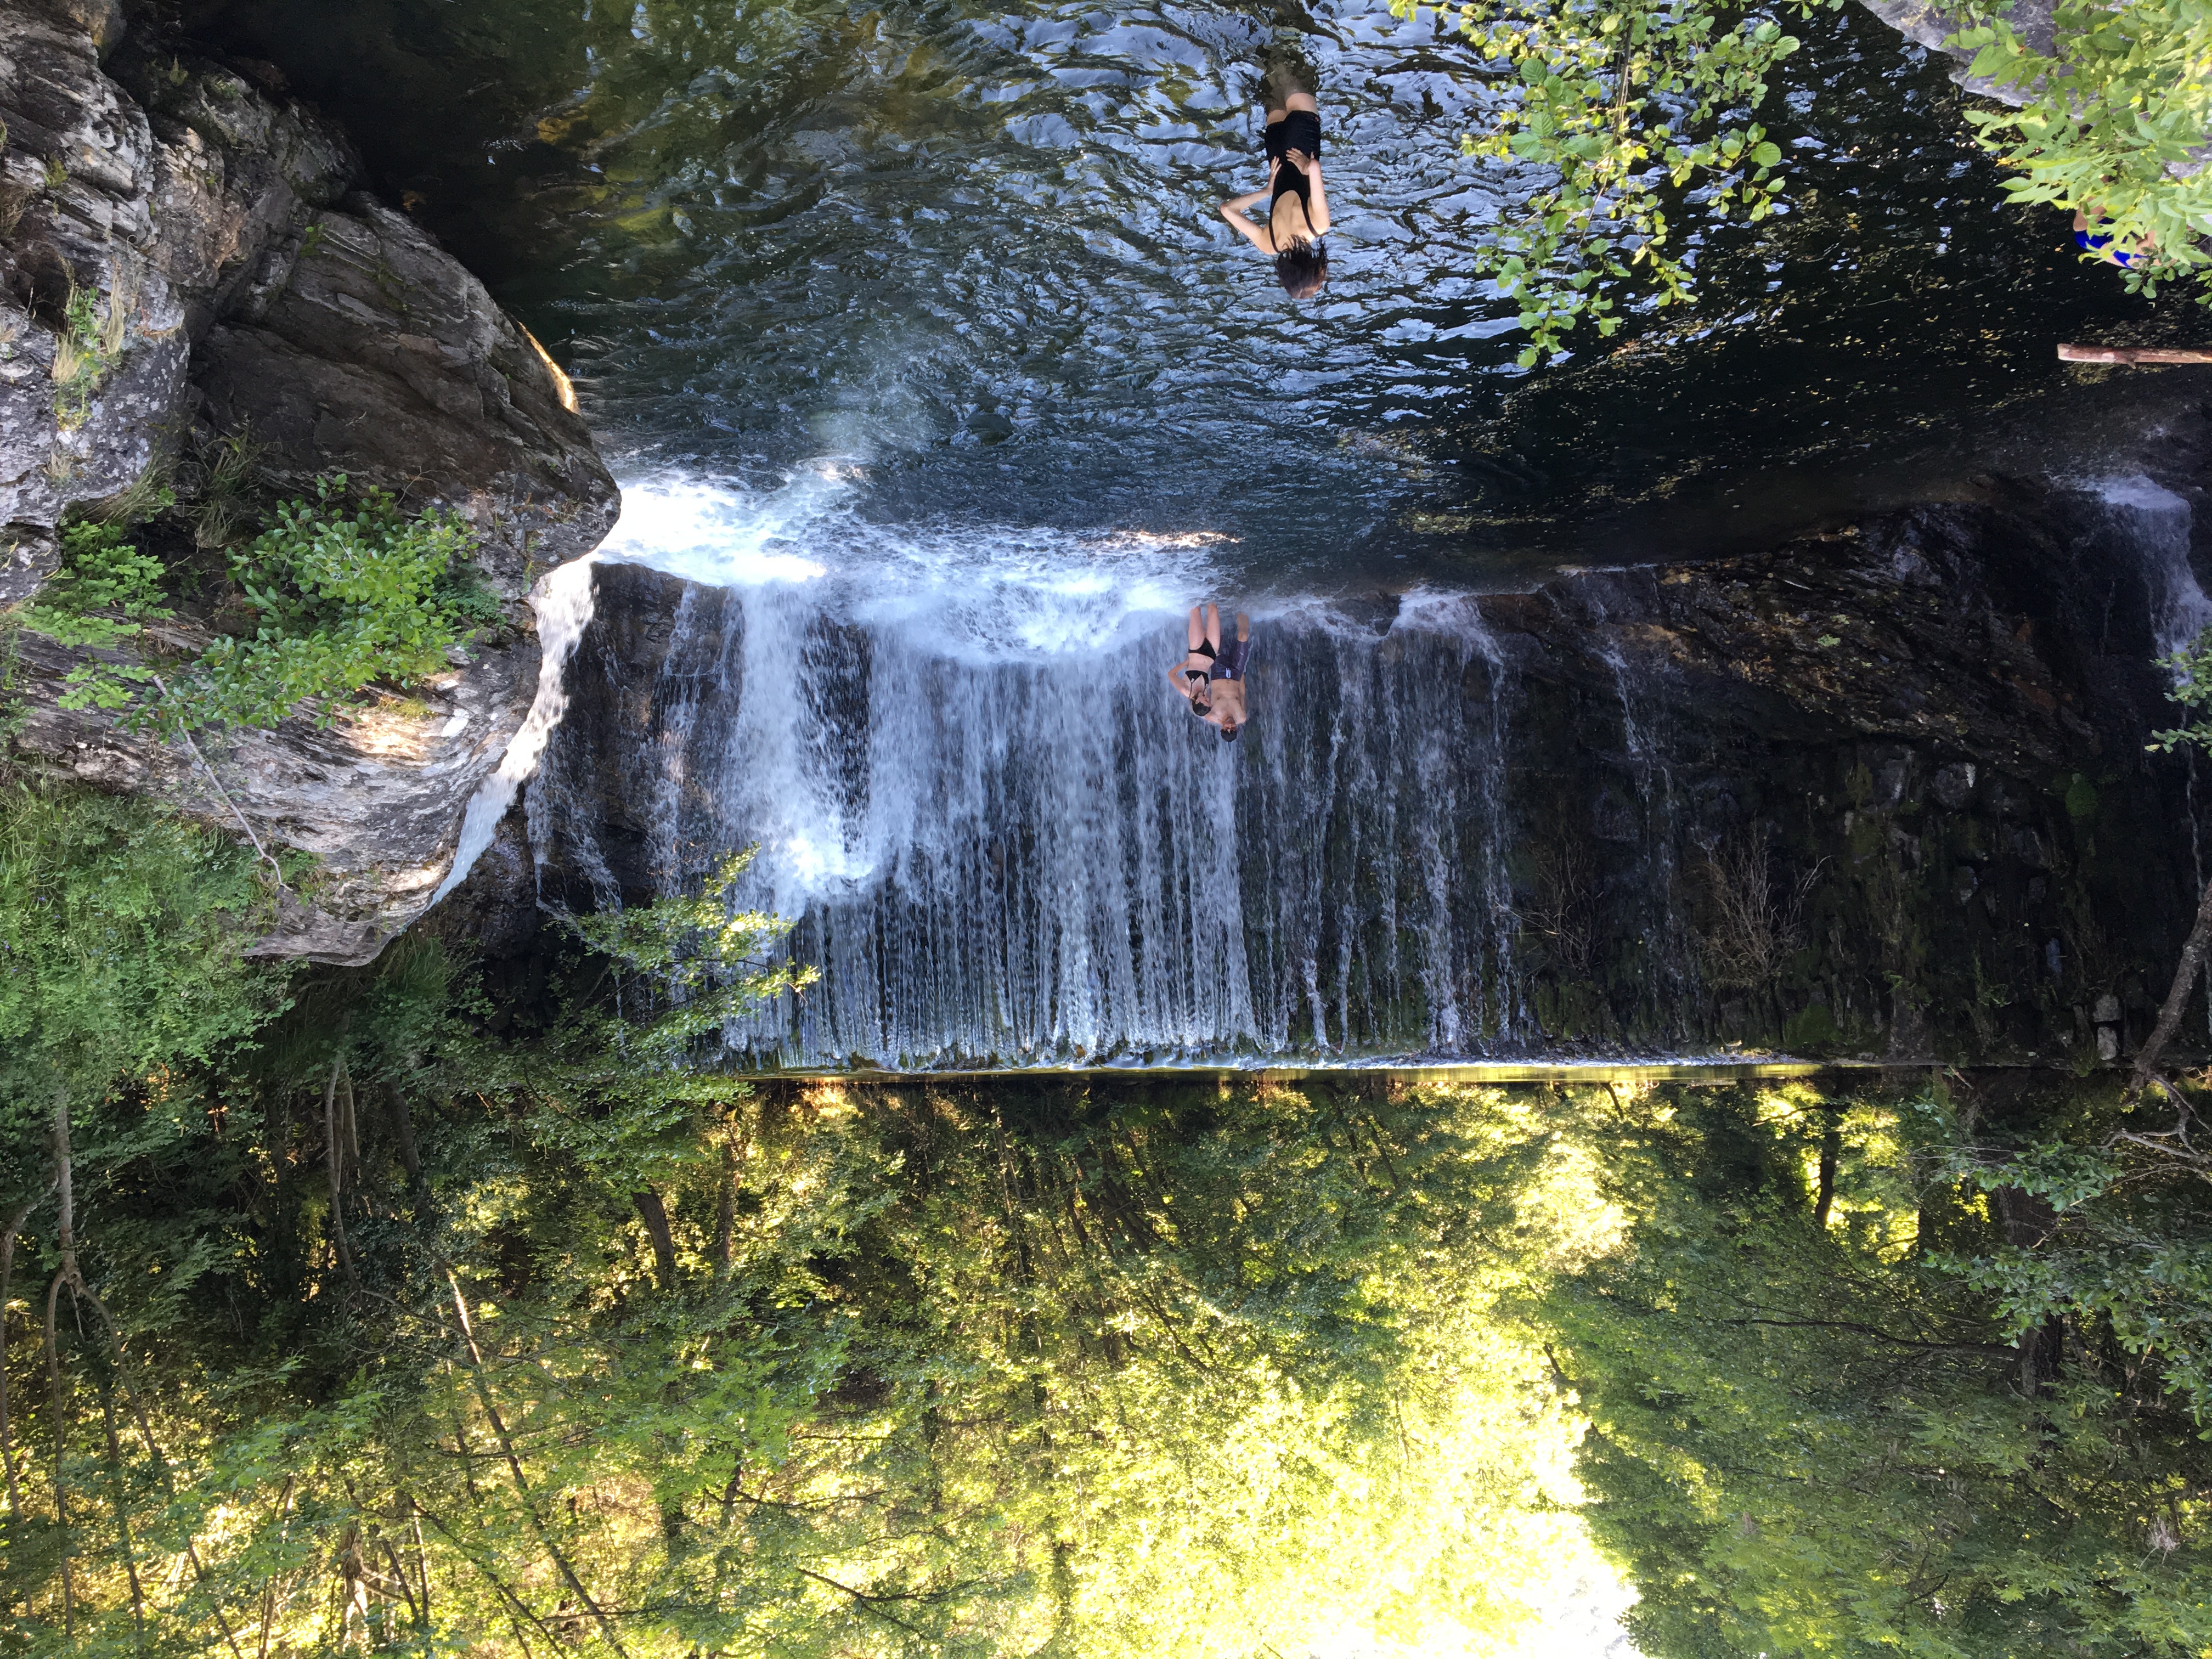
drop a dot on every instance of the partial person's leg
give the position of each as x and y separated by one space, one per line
1243 626
1196 631
1213 626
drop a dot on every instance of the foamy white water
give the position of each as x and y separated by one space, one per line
562 600
1001 833
2158 522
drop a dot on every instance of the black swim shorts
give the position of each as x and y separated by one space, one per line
1230 665
1299 129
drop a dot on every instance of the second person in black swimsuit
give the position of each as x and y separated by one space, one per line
1297 198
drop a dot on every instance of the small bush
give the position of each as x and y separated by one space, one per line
340 601
121 927
340 597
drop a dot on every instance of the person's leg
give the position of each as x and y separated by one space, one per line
1213 626
1243 626
1196 631
1299 101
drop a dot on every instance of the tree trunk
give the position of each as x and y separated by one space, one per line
61 1486
654 1214
402 1134
334 1161
118 1498
7 1278
2176 995
1831 1146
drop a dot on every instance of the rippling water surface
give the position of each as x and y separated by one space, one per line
970 251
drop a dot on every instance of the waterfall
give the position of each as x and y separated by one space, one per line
1000 835
2156 522
562 600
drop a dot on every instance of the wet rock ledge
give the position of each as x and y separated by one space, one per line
266 297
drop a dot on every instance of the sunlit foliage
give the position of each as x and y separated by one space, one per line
1644 116
434 1312
1627 107
1819 1440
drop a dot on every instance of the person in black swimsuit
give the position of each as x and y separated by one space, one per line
1211 675
1192 677
1297 197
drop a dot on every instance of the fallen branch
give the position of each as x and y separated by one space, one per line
267 857
2177 998
514 1466
2084 354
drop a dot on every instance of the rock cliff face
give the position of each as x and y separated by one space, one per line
184 257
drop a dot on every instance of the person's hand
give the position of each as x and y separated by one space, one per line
1300 161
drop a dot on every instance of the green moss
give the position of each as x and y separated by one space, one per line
2081 799
1811 1030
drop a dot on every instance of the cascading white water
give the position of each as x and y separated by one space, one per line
2157 523
1000 835
562 600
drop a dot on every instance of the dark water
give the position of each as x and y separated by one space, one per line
971 249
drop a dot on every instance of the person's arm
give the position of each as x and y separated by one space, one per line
1233 211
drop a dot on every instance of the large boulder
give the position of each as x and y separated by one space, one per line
260 294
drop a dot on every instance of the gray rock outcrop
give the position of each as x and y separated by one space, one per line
1930 24
230 280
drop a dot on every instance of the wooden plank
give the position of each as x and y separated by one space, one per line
2084 354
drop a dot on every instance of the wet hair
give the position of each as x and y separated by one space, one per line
1229 732
1303 270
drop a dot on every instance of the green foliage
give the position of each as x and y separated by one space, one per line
104 591
2121 99
2125 1253
696 963
1822 1441
86 348
121 928
453 1312
2191 669
1627 106
339 599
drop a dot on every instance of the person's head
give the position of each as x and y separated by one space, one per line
1303 270
1201 700
1229 728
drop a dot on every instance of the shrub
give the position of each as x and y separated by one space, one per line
120 929
1638 109
338 601
339 597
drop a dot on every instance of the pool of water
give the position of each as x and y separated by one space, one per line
963 255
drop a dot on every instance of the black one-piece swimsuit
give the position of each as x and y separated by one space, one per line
1299 130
